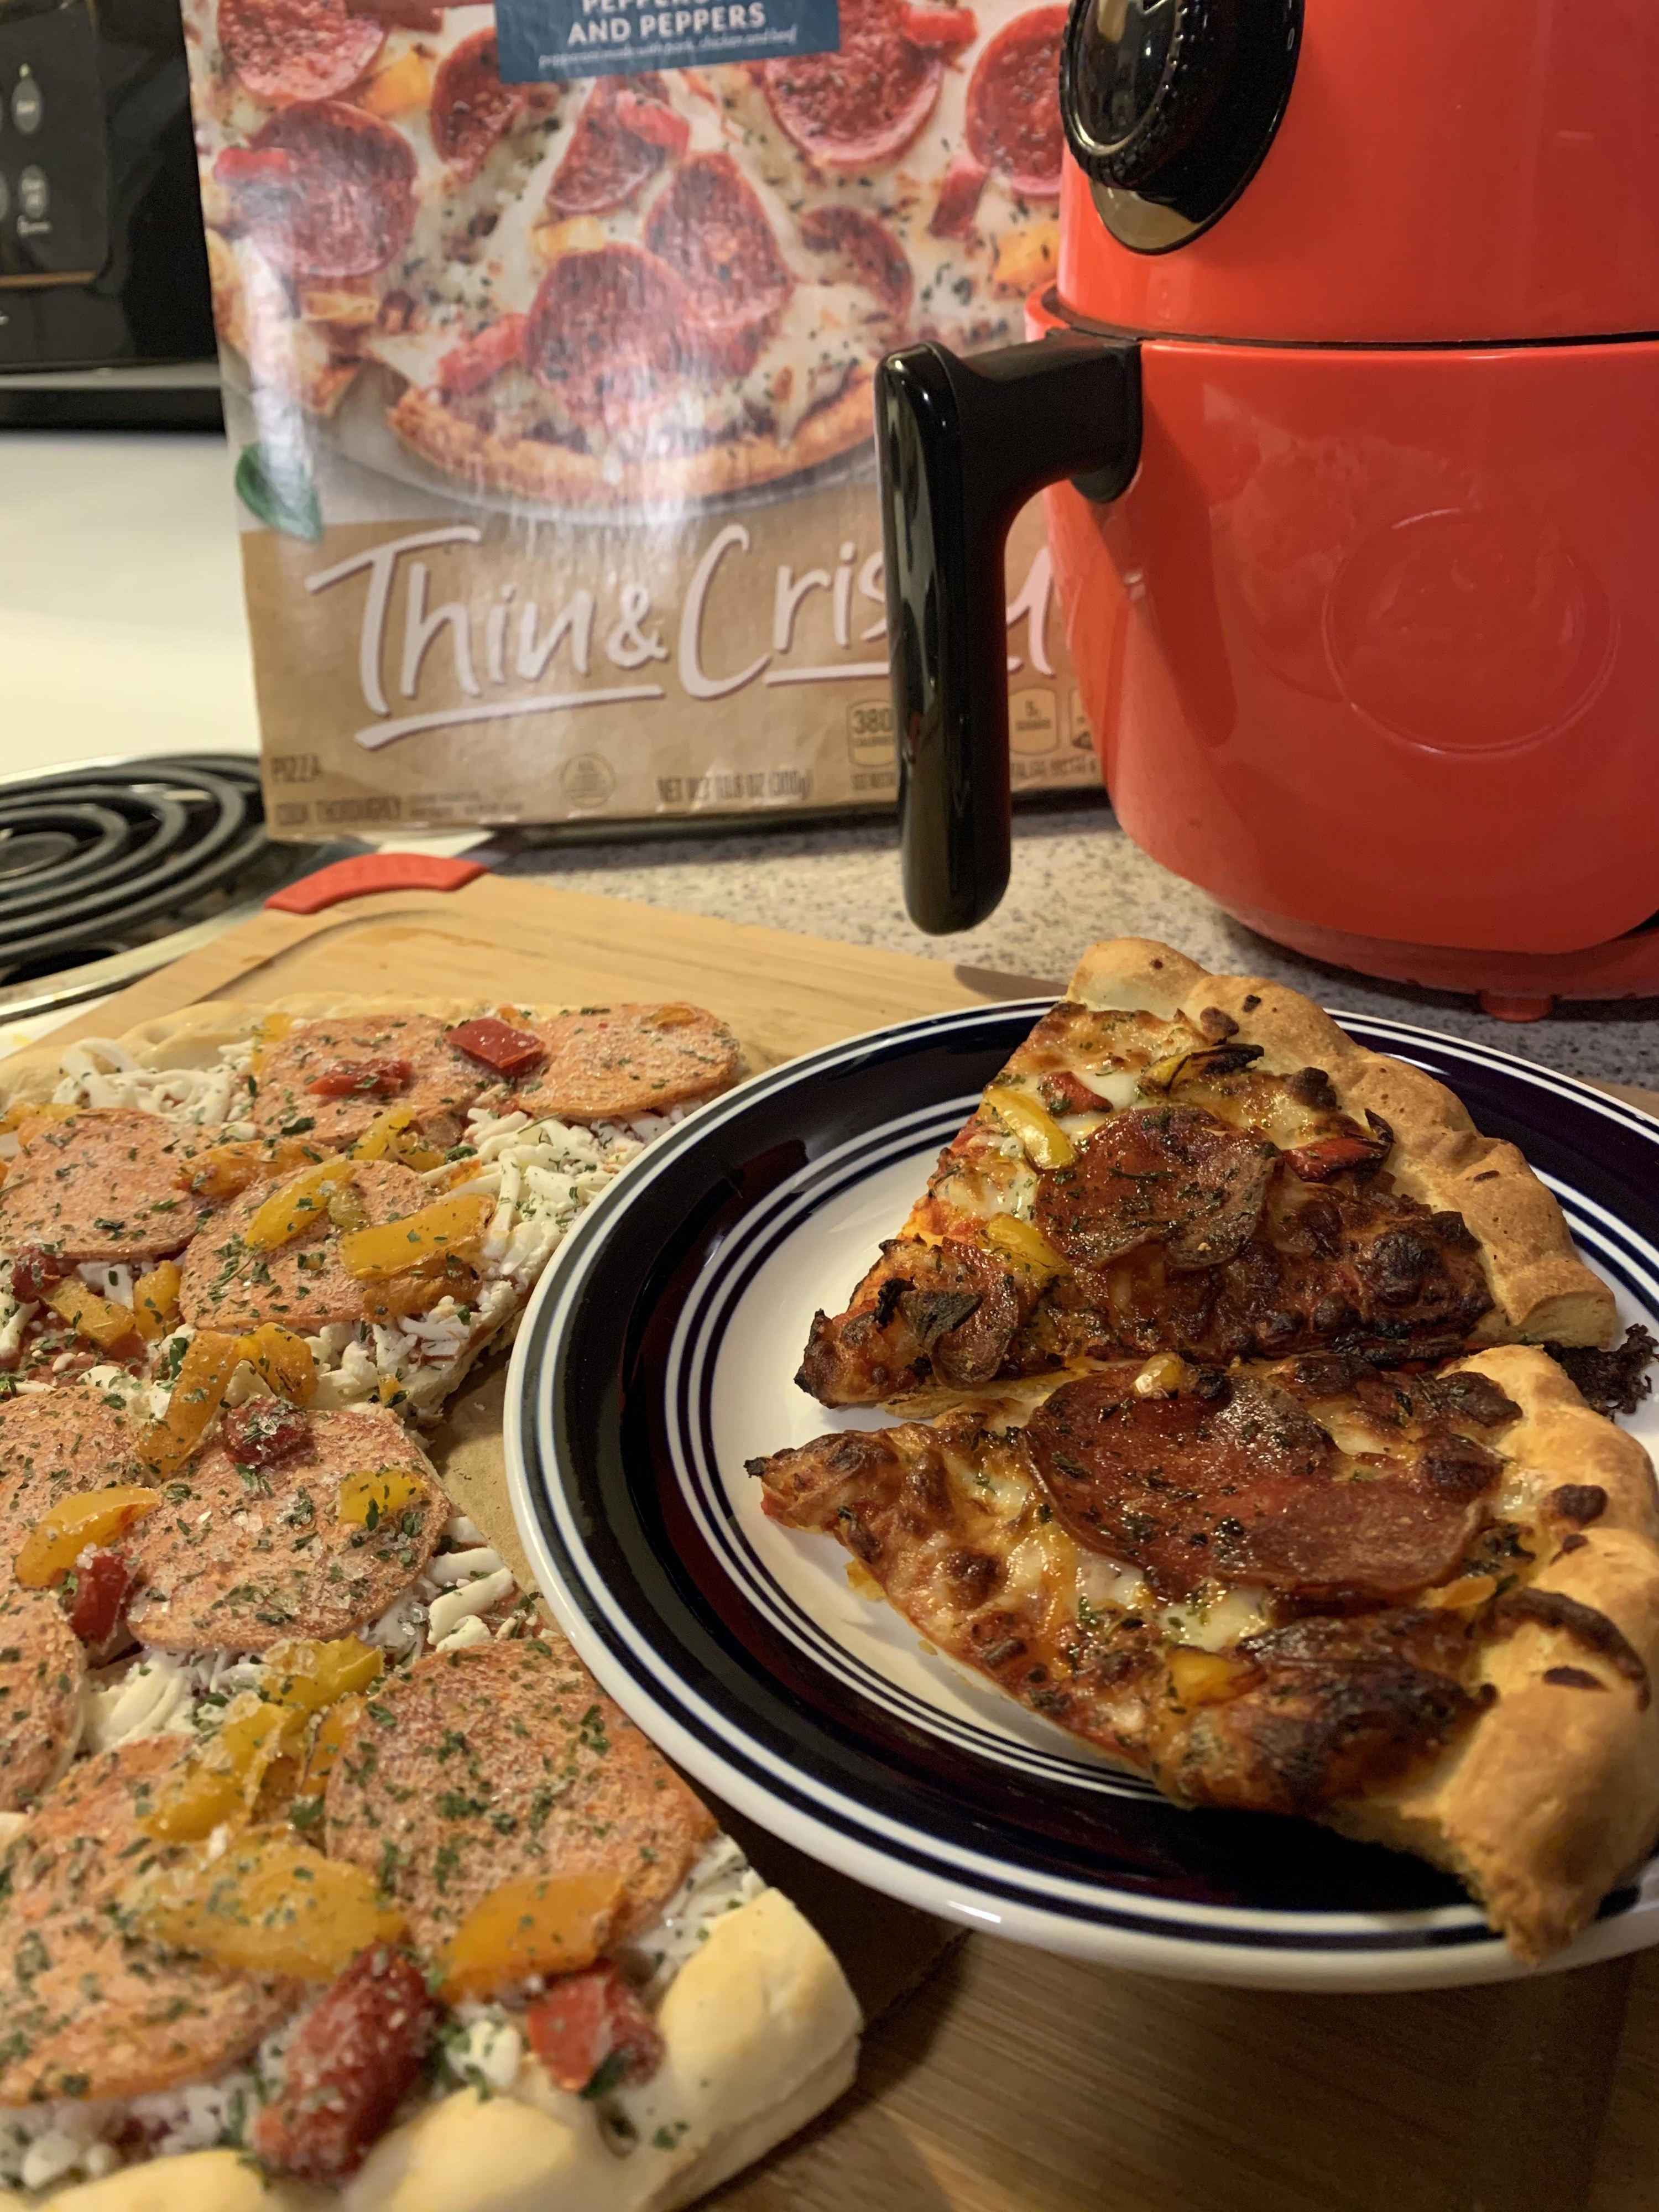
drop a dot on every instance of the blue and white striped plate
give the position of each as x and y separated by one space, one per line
659 1355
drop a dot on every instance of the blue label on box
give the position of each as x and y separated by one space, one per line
544 39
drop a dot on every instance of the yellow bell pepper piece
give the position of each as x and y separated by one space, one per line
404 83
155 1300
309 1676
333 1732
294 1207
368 1499
1203 1678
101 1321
555 1924
223 1780
1024 1242
270 1030
389 1136
281 1360
86 1517
270 1904
1045 1143
209 1361
26 1110
451 1228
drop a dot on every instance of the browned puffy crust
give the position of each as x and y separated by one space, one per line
1541 1291
1552 1796
555 475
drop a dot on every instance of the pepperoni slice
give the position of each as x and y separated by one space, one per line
1157 1174
1239 1487
289 50
709 225
865 103
325 190
625 132
1013 125
603 332
1013 104
472 108
871 254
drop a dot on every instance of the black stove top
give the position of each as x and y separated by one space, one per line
108 871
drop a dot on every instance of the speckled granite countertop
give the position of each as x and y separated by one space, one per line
1076 876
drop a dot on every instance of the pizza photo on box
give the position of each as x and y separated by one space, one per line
601 290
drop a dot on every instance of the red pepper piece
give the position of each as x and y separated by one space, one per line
946 27
352 2061
264 1432
496 1044
1064 1091
33 1272
477 362
361 1078
103 1582
1317 1163
591 2033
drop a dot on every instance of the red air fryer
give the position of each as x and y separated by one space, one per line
1348 399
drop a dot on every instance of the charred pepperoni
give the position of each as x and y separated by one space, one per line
294 50
1165 1175
472 108
626 131
709 226
103 1583
352 2061
867 249
591 2033
324 190
361 1078
1238 1488
866 102
1168 1483
264 1432
604 332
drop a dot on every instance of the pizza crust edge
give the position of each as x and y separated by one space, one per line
762 2034
478 460
1541 1288
1552 1796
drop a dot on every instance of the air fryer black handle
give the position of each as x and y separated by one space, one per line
963 445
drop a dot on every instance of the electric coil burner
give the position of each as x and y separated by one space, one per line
109 871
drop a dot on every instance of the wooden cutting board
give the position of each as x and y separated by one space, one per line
1008 2081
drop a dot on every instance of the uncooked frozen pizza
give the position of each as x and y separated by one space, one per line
325 1862
1263 1464
587 291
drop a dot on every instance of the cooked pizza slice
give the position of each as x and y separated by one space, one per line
1423 1608
355 1197
1175 1161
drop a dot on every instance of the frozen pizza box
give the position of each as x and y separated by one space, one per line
550 399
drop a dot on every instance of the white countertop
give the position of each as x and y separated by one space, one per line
121 621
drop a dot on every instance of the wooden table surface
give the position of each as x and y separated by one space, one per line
1009 2081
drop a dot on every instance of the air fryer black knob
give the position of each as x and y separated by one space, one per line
1169 106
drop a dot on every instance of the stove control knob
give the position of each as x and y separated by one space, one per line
1169 106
